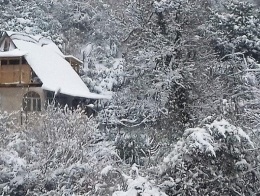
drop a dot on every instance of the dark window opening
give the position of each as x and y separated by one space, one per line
14 62
7 45
34 74
59 100
49 98
4 62
31 101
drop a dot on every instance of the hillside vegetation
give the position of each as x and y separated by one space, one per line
184 117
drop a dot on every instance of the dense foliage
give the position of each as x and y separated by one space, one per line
184 117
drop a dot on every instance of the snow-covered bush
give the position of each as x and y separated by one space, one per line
7 121
211 159
127 185
137 148
61 154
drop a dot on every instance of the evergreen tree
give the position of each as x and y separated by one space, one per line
236 29
212 159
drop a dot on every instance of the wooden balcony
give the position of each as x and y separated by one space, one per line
74 62
17 74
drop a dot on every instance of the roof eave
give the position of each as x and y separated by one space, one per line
74 58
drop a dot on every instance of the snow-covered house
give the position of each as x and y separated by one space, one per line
34 71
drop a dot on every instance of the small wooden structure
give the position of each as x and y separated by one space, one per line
74 62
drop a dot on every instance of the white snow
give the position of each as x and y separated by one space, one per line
49 64
105 171
24 36
90 105
242 162
11 158
73 57
201 139
223 127
113 76
140 186
13 53
50 46
23 21
87 50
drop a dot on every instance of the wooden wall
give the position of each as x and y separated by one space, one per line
74 63
13 73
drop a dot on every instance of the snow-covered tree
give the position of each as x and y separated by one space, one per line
211 159
234 32
236 29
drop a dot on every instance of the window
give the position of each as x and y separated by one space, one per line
4 62
50 98
7 44
14 61
31 101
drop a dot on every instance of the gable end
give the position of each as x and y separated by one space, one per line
6 43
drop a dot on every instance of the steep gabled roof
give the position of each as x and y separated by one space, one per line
49 63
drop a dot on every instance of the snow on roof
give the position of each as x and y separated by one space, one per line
13 53
40 40
49 64
73 57
52 47
24 36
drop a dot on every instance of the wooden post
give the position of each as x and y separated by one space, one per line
70 62
21 117
0 71
20 70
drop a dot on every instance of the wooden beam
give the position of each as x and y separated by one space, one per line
70 62
20 70
19 86
0 71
